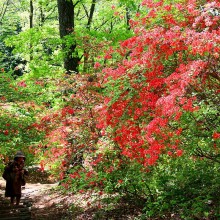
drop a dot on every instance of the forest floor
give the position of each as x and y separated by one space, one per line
48 203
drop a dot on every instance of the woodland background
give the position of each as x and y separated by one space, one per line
119 98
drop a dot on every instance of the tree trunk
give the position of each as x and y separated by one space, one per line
42 16
66 27
31 26
128 18
90 17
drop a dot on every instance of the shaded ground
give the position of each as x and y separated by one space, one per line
48 203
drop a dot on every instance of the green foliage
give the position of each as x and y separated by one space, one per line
17 115
199 127
43 44
185 187
17 132
11 20
8 60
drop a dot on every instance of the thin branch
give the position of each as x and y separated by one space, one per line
4 10
86 11
76 3
78 12
103 23
47 17
200 153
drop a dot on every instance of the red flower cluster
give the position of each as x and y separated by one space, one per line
164 62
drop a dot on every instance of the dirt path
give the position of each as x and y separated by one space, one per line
40 197
47 203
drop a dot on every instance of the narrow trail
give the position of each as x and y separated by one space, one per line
35 203
41 201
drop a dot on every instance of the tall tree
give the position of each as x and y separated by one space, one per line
66 27
31 16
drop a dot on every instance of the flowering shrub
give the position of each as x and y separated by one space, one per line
154 102
160 108
168 65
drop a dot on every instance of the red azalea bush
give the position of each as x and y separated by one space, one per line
156 79
70 130
155 86
162 70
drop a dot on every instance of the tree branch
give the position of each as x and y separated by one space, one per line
92 9
200 153
76 3
86 11
2 14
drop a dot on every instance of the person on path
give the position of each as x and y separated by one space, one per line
14 174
